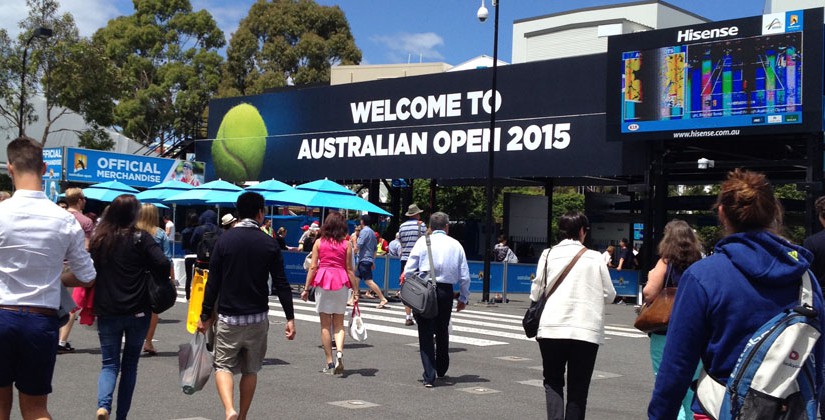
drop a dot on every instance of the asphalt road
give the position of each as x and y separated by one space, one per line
495 372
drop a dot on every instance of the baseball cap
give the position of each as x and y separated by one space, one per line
305 227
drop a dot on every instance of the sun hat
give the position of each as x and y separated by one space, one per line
413 210
227 219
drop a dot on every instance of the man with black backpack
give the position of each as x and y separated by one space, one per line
203 240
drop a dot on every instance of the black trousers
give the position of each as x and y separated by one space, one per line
435 355
579 358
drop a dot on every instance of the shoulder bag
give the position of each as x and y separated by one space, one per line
419 289
533 315
655 314
161 292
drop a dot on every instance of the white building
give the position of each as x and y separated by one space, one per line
774 6
62 133
585 31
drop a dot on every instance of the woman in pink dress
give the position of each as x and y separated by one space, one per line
331 274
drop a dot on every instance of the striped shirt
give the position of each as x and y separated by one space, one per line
243 320
408 233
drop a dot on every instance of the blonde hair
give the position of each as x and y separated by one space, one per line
147 219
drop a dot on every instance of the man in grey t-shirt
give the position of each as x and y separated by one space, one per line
365 249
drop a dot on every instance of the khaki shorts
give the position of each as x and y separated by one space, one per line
240 349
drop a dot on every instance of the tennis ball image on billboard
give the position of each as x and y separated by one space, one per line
240 145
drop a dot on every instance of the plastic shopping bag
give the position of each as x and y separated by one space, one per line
357 329
195 364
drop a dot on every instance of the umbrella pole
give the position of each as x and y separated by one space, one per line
176 229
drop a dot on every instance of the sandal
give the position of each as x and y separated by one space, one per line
382 305
150 352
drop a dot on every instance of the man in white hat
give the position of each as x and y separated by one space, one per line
227 221
408 233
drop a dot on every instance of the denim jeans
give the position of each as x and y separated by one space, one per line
111 330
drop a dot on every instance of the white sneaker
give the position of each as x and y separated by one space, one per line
339 363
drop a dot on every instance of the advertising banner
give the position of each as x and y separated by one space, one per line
93 166
53 157
550 121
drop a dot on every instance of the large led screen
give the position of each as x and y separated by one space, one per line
744 77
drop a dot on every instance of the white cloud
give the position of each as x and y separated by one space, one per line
89 15
405 47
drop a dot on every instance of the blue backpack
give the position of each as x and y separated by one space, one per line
774 377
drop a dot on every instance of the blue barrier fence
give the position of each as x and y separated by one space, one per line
504 278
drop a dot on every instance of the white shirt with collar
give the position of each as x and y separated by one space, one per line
449 259
36 236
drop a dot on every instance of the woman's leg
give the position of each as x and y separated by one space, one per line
657 348
338 325
326 336
580 363
554 359
148 347
135 330
110 333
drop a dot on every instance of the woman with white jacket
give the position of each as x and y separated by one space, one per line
572 324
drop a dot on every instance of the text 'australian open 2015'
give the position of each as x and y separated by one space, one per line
441 137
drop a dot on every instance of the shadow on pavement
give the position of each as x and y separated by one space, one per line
274 362
463 379
361 372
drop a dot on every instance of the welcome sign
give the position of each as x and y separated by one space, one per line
549 122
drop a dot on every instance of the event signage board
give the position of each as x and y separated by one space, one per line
93 166
752 76
550 122
53 158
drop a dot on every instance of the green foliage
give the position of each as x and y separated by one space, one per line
167 57
5 183
96 139
66 70
282 40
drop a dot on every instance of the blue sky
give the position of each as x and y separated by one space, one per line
395 31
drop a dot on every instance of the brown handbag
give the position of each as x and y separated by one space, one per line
655 314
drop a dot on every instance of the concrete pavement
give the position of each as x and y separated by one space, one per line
495 372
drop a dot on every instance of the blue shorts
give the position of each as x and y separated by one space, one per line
364 270
28 351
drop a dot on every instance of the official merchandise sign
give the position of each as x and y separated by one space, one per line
53 158
93 166
550 122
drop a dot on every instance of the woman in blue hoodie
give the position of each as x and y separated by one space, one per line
723 299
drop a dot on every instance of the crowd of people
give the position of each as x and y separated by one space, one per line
752 274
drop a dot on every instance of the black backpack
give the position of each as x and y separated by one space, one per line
207 244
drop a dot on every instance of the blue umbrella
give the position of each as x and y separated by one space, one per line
107 191
271 186
325 185
322 199
201 194
162 191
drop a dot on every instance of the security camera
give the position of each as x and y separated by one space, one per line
482 13
703 163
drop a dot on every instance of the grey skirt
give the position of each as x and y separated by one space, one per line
331 301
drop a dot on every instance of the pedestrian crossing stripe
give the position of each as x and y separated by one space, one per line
501 326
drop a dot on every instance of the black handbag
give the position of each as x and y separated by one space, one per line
419 290
533 315
161 292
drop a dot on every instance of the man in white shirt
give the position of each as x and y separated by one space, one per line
451 269
36 236
169 226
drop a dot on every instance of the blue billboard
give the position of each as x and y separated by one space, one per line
53 157
93 166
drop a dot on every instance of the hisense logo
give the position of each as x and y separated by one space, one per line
691 35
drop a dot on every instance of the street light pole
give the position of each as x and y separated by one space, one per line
39 33
489 238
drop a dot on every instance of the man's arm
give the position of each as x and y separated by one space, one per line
80 262
463 282
213 283
281 287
